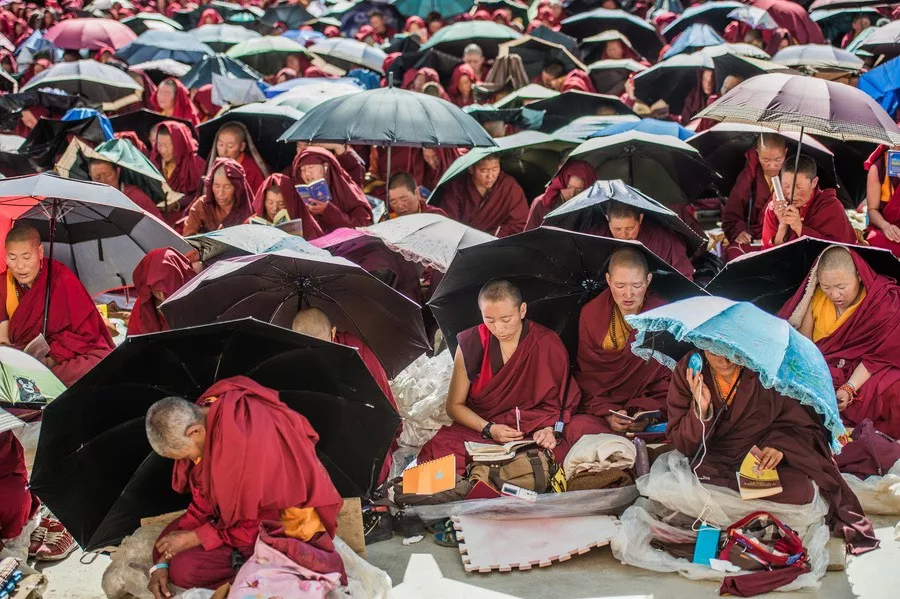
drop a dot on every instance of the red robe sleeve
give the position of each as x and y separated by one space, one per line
734 213
137 195
685 428
353 164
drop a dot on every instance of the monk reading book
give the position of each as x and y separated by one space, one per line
611 378
853 315
810 211
76 334
245 458
487 199
726 405
509 380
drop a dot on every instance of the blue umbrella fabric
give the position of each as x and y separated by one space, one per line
883 84
694 37
423 8
651 126
784 359
389 116
304 36
80 114
279 88
156 45
219 64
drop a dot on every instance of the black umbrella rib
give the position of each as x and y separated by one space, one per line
105 433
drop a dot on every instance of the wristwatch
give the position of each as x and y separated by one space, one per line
486 431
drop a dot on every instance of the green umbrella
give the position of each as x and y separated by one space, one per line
25 382
454 38
525 95
267 54
531 157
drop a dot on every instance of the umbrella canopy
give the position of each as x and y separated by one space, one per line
714 14
48 139
585 126
89 34
265 123
693 38
156 45
592 47
816 106
431 240
26 383
836 22
54 100
348 54
671 80
142 123
144 21
267 54
222 36
652 126
423 8
305 97
453 39
641 33
723 146
666 169
557 271
353 15
537 53
274 286
218 64
94 81
245 240
728 63
829 4
524 119
883 84
100 234
389 116
587 210
884 40
818 57
529 157
158 70
562 109
609 76
518 9
94 466
304 36
292 15
854 46
755 17
769 278
784 359
529 93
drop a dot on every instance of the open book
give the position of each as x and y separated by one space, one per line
491 452
755 483
282 221
316 191
640 416
38 347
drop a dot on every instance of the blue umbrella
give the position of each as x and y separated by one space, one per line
883 85
244 240
742 333
694 37
280 88
367 78
304 37
423 8
219 64
80 114
647 126
156 45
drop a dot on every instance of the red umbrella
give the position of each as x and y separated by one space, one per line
89 34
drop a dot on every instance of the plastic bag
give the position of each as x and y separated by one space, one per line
364 581
421 394
878 494
547 505
673 489
127 575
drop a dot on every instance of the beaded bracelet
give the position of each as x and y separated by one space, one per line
850 389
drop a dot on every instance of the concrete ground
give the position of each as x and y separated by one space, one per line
596 574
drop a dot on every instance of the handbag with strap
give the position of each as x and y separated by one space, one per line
532 468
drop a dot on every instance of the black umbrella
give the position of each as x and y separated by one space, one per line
537 53
142 122
56 101
265 123
49 138
592 48
661 166
292 15
769 278
275 286
545 33
587 211
641 33
13 164
93 80
609 76
557 271
562 109
441 62
714 14
94 466
671 80
885 40
222 36
158 70
218 64
848 155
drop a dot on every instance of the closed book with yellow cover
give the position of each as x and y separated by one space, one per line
755 483
431 477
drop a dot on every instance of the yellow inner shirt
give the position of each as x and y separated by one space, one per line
825 317
622 330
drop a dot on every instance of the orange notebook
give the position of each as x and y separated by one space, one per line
431 477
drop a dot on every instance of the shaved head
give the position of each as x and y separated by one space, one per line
771 141
168 424
313 322
499 290
628 258
616 209
23 233
837 258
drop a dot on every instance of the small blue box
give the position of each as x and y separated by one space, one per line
893 163
707 546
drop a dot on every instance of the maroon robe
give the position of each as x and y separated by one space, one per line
750 186
17 504
292 203
501 212
823 218
348 206
533 380
254 174
891 213
162 269
259 458
137 195
665 243
578 80
612 380
205 215
765 418
871 336
354 165
695 101
76 333
550 200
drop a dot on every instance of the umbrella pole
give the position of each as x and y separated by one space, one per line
796 165
387 177
49 266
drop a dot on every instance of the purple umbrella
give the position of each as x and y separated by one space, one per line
89 34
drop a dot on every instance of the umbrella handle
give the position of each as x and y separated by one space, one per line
796 165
